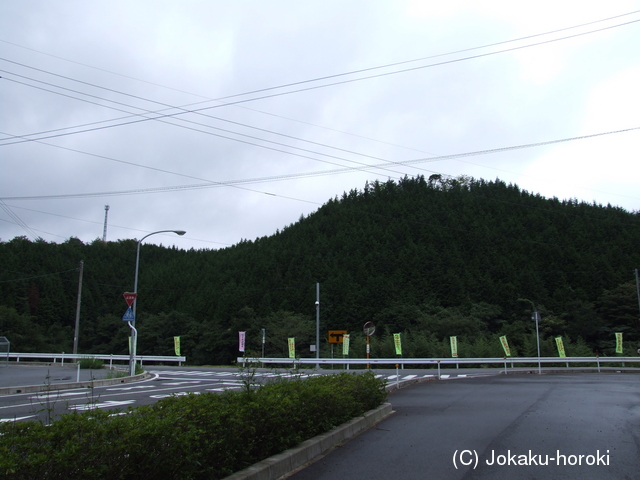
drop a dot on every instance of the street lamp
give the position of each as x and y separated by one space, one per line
536 316
134 332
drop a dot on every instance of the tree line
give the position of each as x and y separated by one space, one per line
428 257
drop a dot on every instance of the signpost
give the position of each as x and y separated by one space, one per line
130 297
129 317
336 336
369 329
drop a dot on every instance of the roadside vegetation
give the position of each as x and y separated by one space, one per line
428 258
206 436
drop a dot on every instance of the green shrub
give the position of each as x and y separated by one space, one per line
205 436
91 363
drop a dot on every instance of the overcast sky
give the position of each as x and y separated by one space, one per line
231 119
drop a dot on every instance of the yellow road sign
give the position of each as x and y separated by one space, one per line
335 336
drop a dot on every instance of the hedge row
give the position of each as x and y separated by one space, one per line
205 436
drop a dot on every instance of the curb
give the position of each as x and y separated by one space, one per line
68 386
275 467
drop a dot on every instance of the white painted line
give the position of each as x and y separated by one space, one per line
177 394
16 419
130 388
445 376
108 404
56 395
409 377
175 384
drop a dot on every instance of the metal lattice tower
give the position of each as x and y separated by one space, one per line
104 232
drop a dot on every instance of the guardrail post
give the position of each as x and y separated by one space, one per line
598 360
62 359
438 369
505 365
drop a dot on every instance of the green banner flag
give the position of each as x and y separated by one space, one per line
560 347
454 346
505 345
176 345
618 342
345 344
292 347
398 343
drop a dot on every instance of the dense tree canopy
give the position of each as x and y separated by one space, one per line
428 257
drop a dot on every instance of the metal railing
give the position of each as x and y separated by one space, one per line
442 361
62 357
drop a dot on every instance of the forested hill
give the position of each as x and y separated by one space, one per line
427 257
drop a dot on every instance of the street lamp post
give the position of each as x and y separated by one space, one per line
134 332
536 316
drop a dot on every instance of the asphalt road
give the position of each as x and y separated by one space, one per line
166 381
499 427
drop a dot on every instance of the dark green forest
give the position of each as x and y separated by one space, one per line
428 258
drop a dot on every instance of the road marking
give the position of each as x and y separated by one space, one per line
409 377
16 419
107 404
55 394
130 388
175 384
177 394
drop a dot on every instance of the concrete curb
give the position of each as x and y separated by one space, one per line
68 386
286 462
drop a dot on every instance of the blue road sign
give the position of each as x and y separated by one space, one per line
128 315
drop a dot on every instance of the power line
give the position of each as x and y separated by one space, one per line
186 111
339 74
224 130
236 183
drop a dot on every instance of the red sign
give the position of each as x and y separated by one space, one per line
130 297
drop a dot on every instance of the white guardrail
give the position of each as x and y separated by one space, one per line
55 357
440 362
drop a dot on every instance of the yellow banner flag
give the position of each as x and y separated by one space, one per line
176 345
505 345
454 346
398 344
292 347
560 347
345 344
618 342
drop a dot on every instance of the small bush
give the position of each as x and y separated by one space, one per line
206 436
91 363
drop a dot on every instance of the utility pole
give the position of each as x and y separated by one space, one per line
638 288
75 335
104 230
318 325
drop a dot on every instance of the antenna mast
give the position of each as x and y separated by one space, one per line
104 232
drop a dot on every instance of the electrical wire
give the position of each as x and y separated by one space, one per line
237 183
236 102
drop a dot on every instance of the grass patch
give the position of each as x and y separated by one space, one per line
91 363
